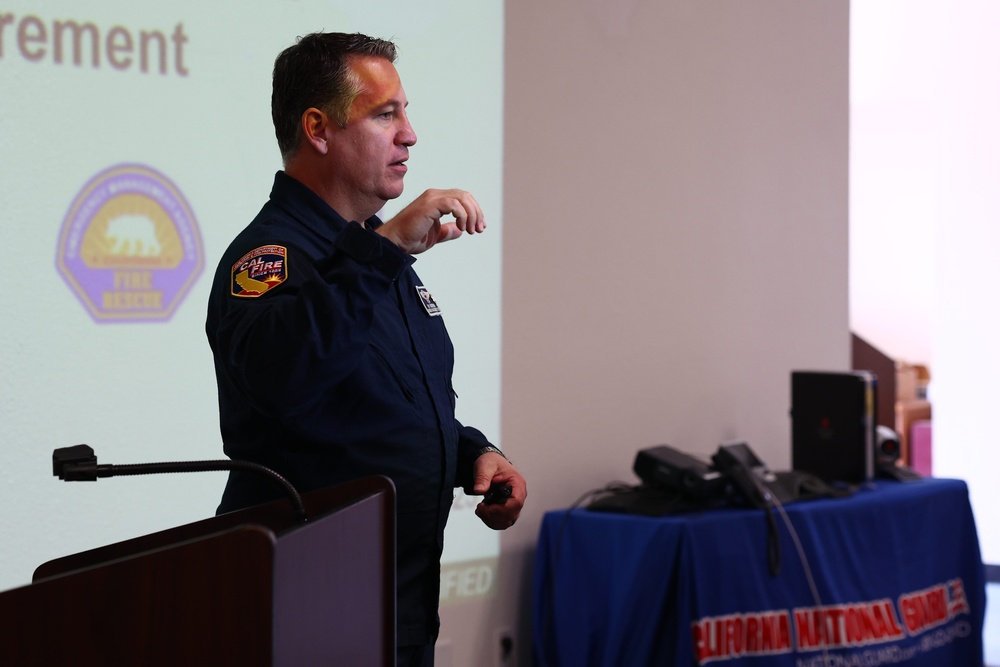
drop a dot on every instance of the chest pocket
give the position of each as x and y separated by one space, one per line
394 371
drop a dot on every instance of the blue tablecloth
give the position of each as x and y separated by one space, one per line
897 573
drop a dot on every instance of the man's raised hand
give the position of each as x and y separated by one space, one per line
418 227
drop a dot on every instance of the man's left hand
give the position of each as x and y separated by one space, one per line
492 469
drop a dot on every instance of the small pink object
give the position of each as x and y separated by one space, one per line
920 447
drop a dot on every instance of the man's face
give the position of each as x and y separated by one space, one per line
369 154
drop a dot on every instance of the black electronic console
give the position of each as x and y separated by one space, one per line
670 469
746 471
674 482
751 477
833 424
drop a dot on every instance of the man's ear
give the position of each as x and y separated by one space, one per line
316 127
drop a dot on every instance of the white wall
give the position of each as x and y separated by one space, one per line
924 209
967 238
894 173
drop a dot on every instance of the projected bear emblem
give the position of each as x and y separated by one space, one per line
130 246
133 236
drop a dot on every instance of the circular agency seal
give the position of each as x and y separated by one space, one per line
130 247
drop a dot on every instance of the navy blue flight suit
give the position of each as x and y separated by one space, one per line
330 368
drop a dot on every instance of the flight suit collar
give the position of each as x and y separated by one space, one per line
306 206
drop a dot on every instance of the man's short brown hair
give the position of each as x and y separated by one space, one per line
315 72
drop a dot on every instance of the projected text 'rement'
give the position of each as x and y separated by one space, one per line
83 43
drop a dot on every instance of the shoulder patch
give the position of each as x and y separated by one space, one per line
259 271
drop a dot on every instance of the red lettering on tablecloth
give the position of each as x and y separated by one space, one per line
934 606
846 625
820 628
738 635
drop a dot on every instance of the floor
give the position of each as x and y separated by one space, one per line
991 629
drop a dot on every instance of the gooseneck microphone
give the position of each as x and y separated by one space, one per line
79 464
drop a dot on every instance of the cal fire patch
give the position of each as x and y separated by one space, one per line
259 270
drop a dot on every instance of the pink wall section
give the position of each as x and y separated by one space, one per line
675 243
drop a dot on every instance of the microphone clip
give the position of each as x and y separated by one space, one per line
75 464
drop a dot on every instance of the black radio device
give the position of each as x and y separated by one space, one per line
667 468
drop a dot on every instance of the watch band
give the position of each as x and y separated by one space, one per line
486 450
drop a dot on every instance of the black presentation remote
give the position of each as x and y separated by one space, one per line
497 495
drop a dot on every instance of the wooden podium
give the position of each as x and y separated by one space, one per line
253 587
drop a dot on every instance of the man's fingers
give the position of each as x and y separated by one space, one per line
464 208
480 218
448 231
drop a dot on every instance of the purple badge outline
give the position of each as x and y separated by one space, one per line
90 283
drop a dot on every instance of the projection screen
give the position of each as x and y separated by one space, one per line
141 130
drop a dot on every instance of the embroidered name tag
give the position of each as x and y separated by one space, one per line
430 305
259 270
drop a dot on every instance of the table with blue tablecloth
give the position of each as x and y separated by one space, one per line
890 575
